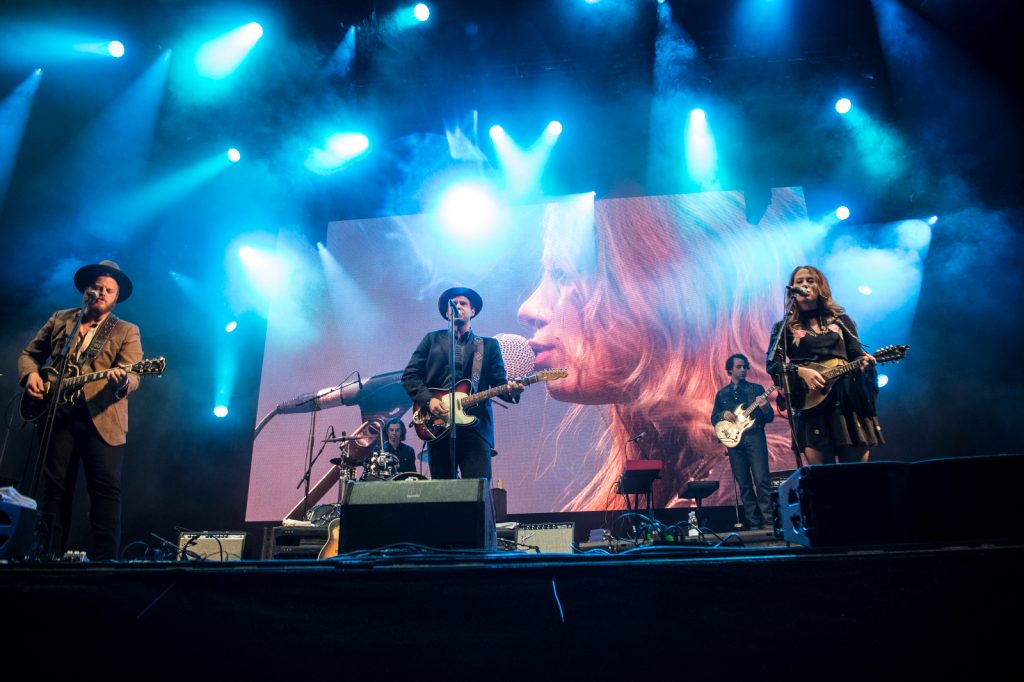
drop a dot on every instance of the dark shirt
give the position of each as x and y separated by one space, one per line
406 456
732 395
428 369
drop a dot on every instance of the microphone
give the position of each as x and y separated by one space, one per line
332 396
517 355
642 434
803 291
91 294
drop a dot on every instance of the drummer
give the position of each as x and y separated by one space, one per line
394 443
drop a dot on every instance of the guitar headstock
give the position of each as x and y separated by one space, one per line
149 366
549 374
891 353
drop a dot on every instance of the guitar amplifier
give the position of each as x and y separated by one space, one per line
211 546
293 542
545 537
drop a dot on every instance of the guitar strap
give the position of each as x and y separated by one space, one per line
98 340
478 361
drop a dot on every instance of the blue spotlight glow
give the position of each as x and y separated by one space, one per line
842 213
338 150
220 411
421 12
865 289
469 209
843 105
231 326
883 380
554 128
934 219
698 117
701 152
115 48
496 131
220 57
234 155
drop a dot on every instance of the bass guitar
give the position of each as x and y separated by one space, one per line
430 427
731 433
836 368
33 408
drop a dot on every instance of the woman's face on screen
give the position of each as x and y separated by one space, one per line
555 313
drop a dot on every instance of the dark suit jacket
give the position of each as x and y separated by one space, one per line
428 369
109 411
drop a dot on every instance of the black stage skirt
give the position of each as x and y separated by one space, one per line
846 417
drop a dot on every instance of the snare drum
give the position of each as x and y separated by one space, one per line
409 476
381 466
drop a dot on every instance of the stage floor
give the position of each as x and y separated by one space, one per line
774 611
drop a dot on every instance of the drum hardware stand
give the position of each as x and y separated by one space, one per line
787 391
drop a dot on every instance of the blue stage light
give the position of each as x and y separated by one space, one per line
843 105
934 219
231 326
234 155
883 380
220 57
115 48
220 411
554 128
865 289
496 131
697 116
842 213
421 12
469 209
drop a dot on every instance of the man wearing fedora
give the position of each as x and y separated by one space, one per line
92 431
429 368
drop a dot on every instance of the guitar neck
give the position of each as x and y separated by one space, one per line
82 379
477 398
841 370
758 402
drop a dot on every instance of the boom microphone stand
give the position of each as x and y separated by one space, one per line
780 337
453 312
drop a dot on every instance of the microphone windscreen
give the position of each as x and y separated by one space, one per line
517 355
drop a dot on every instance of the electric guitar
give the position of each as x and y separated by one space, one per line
430 427
730 433
833 369
33 408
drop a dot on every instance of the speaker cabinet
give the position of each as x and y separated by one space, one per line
211 546
956 499
17 526
442 514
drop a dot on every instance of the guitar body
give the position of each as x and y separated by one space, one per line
731 433
834 368
429 427
812 397
330 548
34 408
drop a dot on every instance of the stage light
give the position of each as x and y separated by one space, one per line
220 411
234 155
496 131
934 219
115 48
469 209
701 152
843 105
338 150
421 12
883 380
231 326
220 57
698 117
842 213
865 289
554 128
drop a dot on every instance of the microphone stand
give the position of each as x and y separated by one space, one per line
46 436
787 392
452 311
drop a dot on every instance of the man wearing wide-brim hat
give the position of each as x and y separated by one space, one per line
429 371
91 432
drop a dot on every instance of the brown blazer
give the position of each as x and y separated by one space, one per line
109 411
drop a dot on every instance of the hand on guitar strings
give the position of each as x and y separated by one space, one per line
34 386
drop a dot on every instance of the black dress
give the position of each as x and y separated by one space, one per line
847 415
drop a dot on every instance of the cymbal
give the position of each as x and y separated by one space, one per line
341 438
343 461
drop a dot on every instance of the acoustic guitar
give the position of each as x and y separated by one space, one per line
836 368
33 408
431 427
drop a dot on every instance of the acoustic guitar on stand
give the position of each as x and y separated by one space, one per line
431 427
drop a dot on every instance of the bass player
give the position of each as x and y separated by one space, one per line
749 457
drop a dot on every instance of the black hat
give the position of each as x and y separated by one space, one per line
449 294
87 274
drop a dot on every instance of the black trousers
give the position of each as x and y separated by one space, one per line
76 442
749 462
472 456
